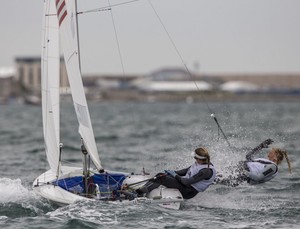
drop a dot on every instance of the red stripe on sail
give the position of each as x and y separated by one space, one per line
58 6
61 11
62 17
62 7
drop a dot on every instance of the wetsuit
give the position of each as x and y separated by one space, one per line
254 171
188 181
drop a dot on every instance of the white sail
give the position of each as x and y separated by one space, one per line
72 11
69 42
50 84
64 184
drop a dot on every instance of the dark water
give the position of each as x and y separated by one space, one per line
154 136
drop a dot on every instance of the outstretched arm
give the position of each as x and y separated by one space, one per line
262 145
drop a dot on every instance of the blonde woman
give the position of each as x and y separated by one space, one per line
258 170
189 181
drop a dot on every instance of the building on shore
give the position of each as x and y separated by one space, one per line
162 84
6 84
28 74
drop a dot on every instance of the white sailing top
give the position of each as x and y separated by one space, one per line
261 170
202 185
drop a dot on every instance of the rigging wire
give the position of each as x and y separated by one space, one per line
119 48
190 75
104 8
107 7
117 39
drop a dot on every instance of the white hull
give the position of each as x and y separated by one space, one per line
70 186
44 187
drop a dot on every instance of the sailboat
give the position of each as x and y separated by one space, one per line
63 184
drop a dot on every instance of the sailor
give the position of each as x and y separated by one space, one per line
257 170
189 181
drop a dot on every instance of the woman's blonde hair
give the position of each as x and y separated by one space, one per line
201 151
281 154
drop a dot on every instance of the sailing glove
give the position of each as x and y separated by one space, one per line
266 143
171 173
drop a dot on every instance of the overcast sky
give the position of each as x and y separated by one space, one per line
223 36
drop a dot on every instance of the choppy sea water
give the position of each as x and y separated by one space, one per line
154 136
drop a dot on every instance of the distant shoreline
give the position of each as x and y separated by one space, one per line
198 97
195 97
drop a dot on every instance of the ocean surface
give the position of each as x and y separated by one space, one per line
154 136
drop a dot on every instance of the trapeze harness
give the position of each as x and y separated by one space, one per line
261 170
202 185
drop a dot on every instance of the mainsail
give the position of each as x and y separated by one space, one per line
69 42
50 84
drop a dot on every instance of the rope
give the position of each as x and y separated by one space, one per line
119 48
109 7
190 75
117 39
106 7
142 181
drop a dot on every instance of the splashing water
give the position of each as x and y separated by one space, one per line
162 136
19 201
12 191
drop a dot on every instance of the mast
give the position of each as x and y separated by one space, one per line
66 14
77 28
85 168
86 156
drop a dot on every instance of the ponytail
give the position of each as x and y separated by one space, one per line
281 154
287 160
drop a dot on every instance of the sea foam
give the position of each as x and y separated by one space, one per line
12 190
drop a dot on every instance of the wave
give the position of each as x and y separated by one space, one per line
88 214
12 191
18 201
